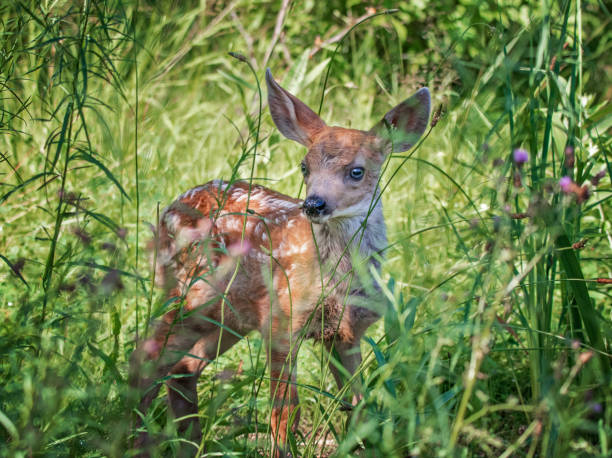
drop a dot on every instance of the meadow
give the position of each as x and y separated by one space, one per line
497 338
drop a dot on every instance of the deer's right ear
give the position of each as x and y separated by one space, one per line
292 117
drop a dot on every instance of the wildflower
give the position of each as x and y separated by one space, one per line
82 235
520 156
121 232
596 407
569 187
566 184
597 178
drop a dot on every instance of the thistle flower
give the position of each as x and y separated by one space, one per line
520 156
566 184
82 235
569 187
597 178
596 407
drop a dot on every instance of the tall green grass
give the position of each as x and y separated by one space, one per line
497 337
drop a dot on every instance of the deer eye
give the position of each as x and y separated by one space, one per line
357 173
304 169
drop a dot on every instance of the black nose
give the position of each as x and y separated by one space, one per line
314 206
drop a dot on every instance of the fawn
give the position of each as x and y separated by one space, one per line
239 257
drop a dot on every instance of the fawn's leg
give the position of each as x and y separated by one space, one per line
153 359
283 390
182 393
175 334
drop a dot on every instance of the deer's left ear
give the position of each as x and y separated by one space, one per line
402 127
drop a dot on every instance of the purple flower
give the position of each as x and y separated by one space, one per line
520 156
596 407
566 184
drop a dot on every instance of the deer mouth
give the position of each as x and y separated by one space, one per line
318 219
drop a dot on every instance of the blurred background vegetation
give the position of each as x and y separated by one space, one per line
497 339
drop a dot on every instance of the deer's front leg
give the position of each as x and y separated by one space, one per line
283 391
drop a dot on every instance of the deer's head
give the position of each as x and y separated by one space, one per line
342 167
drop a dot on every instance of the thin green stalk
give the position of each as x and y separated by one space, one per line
136 171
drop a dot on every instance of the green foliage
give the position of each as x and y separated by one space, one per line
497 336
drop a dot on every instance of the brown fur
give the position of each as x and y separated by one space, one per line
249 258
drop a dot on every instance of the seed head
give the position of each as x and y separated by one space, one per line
237 55
569 157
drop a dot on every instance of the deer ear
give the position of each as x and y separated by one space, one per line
292 117
402 127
